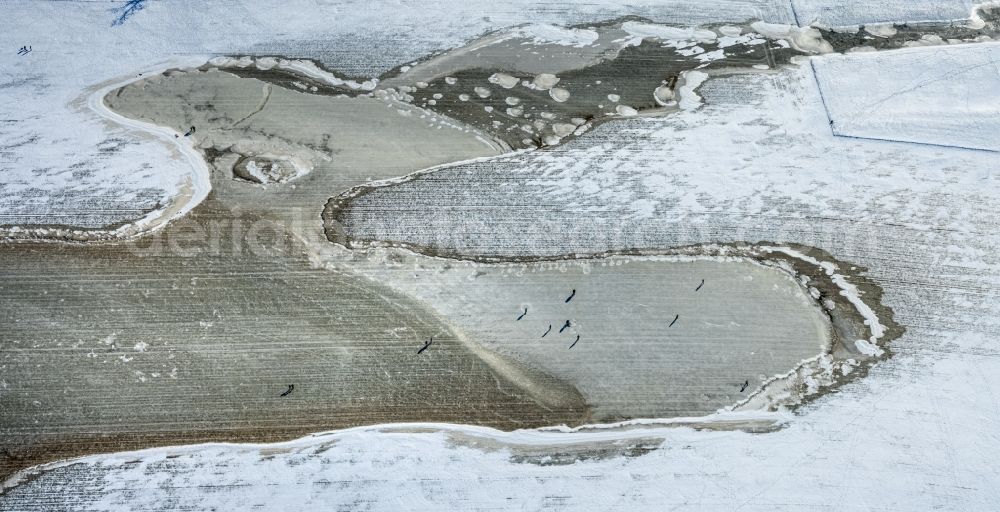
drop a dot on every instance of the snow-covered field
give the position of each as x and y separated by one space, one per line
838 14
946 96
758 162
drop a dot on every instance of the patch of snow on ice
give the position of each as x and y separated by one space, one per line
552 34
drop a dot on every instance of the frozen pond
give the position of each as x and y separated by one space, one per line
646 336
